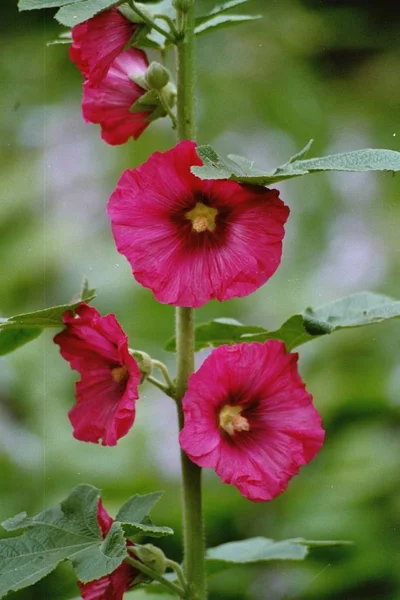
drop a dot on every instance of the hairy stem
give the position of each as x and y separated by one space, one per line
193 529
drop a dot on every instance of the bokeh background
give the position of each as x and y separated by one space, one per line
327 70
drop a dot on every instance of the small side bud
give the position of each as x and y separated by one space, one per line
169 94
152 557
144 363
156 76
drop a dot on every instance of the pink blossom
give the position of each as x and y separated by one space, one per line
97 348
98 41
249 417
107 103
113 586
190 240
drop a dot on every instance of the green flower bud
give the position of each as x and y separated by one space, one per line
152 557
144 363
156 76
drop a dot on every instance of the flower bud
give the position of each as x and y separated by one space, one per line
156 76
152 557
144 363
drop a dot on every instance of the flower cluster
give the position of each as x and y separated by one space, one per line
110 89
247 414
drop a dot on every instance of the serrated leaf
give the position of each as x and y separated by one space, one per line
357 310
76 13
237 168
259 549
218 332
68 530
219 10
303 152
221 21
134 516
38 4
21 329
48 317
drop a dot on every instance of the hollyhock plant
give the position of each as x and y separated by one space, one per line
113 586
108 102
97 348
249 417
191 240
98 41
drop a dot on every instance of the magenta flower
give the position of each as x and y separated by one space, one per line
107 103
113 586
98 41
189 240
97 348
249 417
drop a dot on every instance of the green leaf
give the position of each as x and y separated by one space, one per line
48 317
68 530
259 549
36 4
357 310
76 13
134 515
11 339
218 332
219 10
242 170
21 329
220 21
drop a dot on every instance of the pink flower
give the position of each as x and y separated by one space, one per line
113 586
108 102
249 417
98 41
97 348
189 240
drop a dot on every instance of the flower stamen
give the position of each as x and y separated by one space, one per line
120 374
202 217
231 421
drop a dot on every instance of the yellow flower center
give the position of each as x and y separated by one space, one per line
120 374
202 217
230 419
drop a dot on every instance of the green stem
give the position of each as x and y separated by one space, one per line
161 386
167 109
193 528
156 576
186 72
178 570
170 23
164 370
151 23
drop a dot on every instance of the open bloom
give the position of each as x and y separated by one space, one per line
113 586
249 417
97 348
98 41
108 102
191 240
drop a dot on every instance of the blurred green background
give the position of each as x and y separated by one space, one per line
327 70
